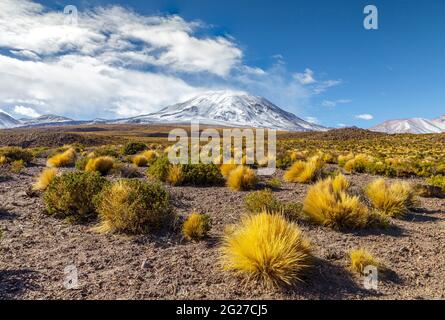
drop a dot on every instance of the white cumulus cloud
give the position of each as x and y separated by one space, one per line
365 116
26 111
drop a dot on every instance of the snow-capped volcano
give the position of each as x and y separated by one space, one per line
229 108
413 125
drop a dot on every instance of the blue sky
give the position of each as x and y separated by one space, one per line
313 58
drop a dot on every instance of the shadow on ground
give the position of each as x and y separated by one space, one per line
14 283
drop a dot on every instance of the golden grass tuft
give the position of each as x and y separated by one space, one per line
140 161
44 179
3 160
103 165
392 199
242 178
196 226
64 159
266 248
327 203
360 259
304 172
150 155
175 175
227 168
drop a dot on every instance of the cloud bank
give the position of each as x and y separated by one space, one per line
113 62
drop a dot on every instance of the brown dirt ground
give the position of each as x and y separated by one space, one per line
36 248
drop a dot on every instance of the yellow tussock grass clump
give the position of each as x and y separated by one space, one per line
267 248
100 164
196 226
3 160
175 176
392 199
227 168
150 155
304 172
242 178
327 203
140 161
45 178
360 259
64 159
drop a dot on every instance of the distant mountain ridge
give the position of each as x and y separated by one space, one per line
227 108
412 125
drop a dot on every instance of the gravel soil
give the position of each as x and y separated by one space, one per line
36 248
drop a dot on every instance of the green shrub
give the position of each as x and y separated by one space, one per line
71 194
262 200
437 181
16 154
201 174
17 166
265 201
132 148
159 169
133 206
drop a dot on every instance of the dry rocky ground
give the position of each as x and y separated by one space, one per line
36 248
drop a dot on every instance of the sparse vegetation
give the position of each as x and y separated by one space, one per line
71 195
392 199
11 154
266 248
196 226
132 206
242 178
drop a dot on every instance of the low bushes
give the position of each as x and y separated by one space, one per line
242 178
304 172
266 248
132 206
132 148
11 154
71 194
196 226
201 174
64 159
159 169
359 164
438 181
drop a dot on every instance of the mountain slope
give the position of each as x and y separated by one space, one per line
413 125
6 121
230 108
